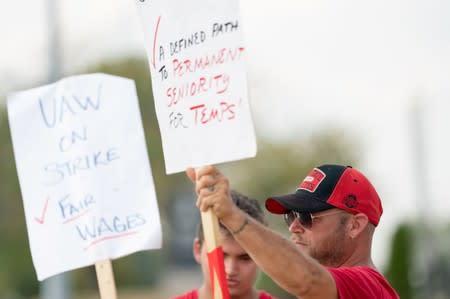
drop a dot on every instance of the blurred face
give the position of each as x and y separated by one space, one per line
325 240
240 269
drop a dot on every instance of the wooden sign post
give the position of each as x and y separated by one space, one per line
105 279
211 233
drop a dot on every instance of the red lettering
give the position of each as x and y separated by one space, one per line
228 108
222 56
195 108
187 64
176 66
222 85
202 83
193 88
214 114
171 95
217 84
204 120
204 115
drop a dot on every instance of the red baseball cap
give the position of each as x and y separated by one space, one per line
331 186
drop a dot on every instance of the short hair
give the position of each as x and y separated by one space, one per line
250 206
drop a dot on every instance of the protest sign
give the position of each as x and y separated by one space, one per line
84 172
196 57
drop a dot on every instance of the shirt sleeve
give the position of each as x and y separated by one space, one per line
359 282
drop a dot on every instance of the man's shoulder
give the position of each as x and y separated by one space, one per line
192 294
363 271
361 280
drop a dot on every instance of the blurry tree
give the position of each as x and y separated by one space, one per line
264 282
16 272
438 277
400 261
435 277
405 271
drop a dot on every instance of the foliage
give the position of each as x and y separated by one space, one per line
264 282
419 263
15 259
400 261
433 256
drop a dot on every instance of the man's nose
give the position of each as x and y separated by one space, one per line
296 227
231 266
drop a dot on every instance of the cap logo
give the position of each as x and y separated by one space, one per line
312 180
350 201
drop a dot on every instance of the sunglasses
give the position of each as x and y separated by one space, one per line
305 219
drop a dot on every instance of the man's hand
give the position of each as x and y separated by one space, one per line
213 191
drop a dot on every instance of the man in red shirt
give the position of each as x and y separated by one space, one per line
240 270
332 217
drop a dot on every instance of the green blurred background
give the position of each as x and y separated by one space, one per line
161 273
408 50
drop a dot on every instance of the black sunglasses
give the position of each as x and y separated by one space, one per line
306 219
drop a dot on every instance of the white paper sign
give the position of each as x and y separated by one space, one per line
84 173
196 56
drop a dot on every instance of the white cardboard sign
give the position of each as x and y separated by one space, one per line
84 172
196 56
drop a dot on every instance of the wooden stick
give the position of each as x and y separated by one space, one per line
105 278
211 233
210 230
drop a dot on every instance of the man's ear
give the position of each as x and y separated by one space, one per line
357 225
197 250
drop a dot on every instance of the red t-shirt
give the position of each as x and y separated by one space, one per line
193 294
362 282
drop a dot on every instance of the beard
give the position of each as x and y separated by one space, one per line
330 251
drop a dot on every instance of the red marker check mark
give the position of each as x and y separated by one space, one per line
44 211
154 42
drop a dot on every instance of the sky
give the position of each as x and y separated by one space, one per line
312 65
